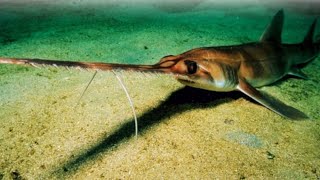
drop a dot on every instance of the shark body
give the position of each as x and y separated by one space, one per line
225 68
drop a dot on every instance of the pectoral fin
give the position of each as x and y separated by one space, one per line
298 73
269 102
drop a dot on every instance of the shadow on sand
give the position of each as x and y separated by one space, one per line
182 100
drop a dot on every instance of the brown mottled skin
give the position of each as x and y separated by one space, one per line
225 68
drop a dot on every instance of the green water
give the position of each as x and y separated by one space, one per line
130 32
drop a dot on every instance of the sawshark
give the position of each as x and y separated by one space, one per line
243 67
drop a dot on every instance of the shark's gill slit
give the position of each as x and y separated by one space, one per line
130 102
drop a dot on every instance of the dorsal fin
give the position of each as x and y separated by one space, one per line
308 40
273 31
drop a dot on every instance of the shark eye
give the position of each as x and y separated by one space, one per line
192 66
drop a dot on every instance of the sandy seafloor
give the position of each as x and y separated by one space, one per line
183 133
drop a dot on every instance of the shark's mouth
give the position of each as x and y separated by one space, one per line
186 81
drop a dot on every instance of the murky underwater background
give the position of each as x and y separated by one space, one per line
184 133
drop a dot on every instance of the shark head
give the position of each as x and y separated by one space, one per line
199 72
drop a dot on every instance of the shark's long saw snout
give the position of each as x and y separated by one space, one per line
243 67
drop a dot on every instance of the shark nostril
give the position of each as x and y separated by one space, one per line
192 66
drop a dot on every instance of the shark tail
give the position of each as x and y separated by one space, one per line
311 44
317 43
308 41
